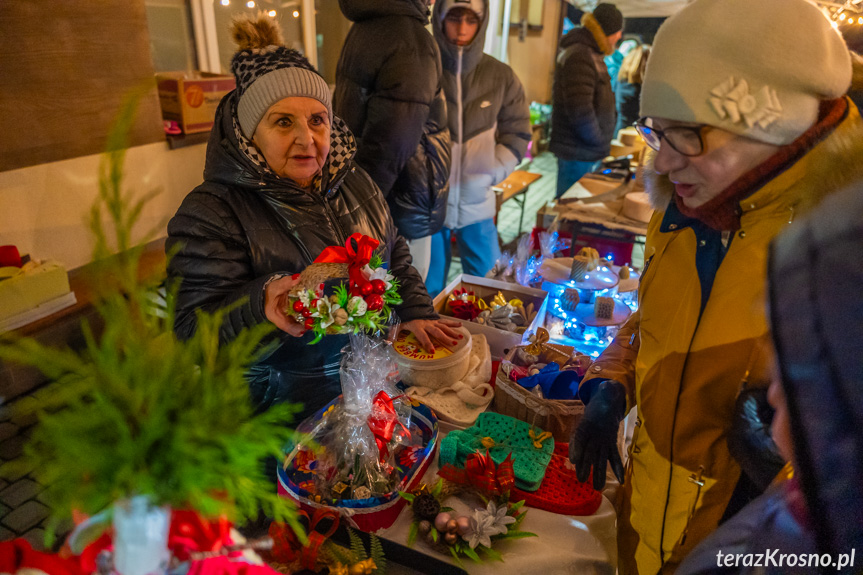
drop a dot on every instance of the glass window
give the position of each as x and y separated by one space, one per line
172 42
332 29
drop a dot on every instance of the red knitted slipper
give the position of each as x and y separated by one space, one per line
560 491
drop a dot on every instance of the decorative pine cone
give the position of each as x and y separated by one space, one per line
426 507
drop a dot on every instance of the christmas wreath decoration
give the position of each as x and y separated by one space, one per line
469 535
363 304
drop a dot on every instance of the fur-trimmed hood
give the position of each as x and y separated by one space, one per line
592 24
832 164
589 30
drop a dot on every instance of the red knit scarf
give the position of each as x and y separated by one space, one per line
723 212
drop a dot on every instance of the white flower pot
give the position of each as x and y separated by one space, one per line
141 537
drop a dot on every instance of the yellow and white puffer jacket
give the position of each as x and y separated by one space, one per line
684 367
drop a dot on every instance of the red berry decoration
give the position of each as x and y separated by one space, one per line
298 306
313 304
366 288
379 286
356 291
306 313
310 323
374 301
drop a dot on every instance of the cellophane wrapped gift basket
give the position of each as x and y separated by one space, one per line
364 447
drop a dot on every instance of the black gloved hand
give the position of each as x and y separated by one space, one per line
594 441
749 439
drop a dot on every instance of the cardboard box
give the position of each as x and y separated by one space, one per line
191 99
498 340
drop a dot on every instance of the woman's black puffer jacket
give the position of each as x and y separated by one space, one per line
242 226
388 91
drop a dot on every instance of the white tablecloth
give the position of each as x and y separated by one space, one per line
565 544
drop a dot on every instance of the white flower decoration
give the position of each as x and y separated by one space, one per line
479 529
501 519
732 100
378 274
487 523
305 297
325 311
356 306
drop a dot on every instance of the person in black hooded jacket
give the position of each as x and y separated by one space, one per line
582 114
388 90
280 186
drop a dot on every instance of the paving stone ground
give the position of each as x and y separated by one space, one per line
22 511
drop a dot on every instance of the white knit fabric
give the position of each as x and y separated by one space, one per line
476 6
462 402
754 68
273 86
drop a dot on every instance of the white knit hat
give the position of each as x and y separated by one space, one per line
475 6
266 71
758 68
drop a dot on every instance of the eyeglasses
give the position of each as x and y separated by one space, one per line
685 140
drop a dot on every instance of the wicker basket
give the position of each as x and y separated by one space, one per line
555 415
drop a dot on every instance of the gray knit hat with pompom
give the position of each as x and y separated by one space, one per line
267 71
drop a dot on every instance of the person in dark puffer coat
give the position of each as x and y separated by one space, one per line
817 325
583 112
280 186
388 90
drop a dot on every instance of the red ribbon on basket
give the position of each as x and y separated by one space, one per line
357 253
287 547
481 472
382 421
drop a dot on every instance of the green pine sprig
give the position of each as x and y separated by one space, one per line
138 411
358 550
376 261
377 553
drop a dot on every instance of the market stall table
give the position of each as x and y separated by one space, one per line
515 186
564 543
594 208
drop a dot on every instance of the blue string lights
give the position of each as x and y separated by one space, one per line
570 328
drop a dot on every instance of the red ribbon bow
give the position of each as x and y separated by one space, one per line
357 253
382 421
481 472
287 547
192 533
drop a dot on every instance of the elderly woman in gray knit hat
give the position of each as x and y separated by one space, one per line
744 106
279 187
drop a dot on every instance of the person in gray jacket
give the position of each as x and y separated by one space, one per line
489 122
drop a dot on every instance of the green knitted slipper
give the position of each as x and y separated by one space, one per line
531 449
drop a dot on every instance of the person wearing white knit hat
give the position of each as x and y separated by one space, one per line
744 107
